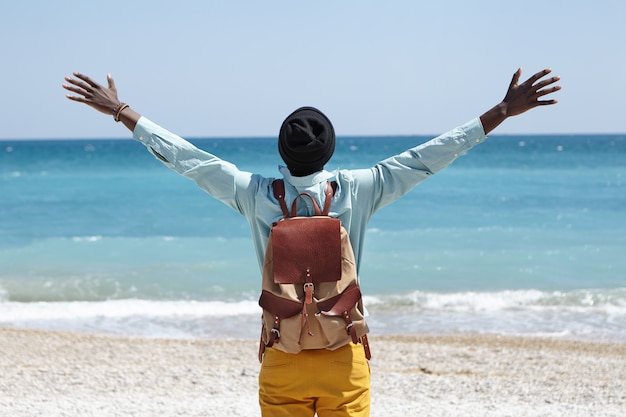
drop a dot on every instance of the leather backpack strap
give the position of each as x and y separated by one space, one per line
294 206
278 187
337 305
340 305
366 347
329 192
279 193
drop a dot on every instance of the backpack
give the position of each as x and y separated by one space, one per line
310 293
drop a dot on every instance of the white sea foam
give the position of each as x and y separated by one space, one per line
44 311
180 319
581 314
87 238
610 300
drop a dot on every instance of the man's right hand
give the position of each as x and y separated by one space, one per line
103 99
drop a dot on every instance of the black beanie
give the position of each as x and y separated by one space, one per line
306 141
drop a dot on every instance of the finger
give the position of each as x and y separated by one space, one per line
86 79
79 84
547 91
515 78
546 102
74 98
111 82
537 76
76 90
70 88
546 83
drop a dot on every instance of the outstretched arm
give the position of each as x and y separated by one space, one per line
103 99
520 98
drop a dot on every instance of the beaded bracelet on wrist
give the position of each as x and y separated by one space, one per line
117 111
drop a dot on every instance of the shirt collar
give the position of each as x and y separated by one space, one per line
307 181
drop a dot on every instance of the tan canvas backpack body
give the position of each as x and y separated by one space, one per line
310 293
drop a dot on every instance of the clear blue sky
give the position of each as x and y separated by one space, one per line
237 68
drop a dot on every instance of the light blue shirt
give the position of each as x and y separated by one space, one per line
360 192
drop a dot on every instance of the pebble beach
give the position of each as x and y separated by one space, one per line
47 373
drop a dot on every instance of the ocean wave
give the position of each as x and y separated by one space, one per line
613 300
145 318
598 314
40 311
86 238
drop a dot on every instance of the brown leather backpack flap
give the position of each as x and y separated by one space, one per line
279 306
345 301
307 249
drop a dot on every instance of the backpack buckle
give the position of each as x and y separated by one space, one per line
309 290
276 333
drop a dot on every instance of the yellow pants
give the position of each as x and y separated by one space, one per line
331 383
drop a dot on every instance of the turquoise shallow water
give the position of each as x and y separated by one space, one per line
525 234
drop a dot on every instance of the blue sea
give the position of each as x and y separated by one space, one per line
524 235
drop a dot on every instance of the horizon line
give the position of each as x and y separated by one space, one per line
348 136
